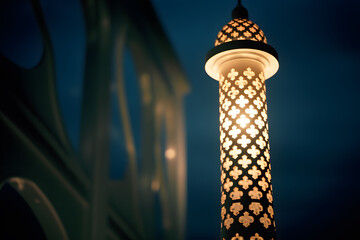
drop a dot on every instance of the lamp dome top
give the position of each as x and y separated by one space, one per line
240 29
241 40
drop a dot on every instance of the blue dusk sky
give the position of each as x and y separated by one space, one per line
313 102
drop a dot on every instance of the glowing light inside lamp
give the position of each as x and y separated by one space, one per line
241 61
240 29
245 160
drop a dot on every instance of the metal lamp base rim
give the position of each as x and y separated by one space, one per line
241 50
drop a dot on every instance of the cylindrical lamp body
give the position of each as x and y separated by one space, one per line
246 202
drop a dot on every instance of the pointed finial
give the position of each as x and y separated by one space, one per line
240 11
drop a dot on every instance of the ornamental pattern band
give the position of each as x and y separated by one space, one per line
246 202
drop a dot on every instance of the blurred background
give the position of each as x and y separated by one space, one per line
313 103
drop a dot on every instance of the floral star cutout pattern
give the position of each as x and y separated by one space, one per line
244 141
249 73
256 208
271 211
250 92
236 194
223 212
226 104
223 198
222 116
233 93
228 221
262 163
226 86
234 132
258 103
246 219
254 172
262 77
245 182
255 193
236 208
227 123
244 161
232 74
242 121
253 151
269 197
241 82
235 152
251 111
263 184
228 184
235 173
259 122
222 97
245 167
252 131
222 78
256 237
222 136
268 175
242 101
240 29
265 220
261 142
227 164
222 177
227 143
257 84
234 112
263 96
237 237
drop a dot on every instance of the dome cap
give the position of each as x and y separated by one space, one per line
240 29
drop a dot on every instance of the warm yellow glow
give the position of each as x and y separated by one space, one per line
242 121
246 219
170 153
245 166
237 237
241 67
240 29
256 237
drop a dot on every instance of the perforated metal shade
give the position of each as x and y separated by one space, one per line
241 61
240 29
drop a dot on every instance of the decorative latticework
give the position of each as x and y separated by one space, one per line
240 29
246 201
241 61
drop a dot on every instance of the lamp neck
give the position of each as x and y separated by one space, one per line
240 12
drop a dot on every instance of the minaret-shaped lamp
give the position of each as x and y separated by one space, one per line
241 61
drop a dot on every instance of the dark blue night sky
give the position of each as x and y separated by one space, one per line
313 103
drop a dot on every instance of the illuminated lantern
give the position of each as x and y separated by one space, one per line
241 61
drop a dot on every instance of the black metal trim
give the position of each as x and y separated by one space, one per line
238 44
240 11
